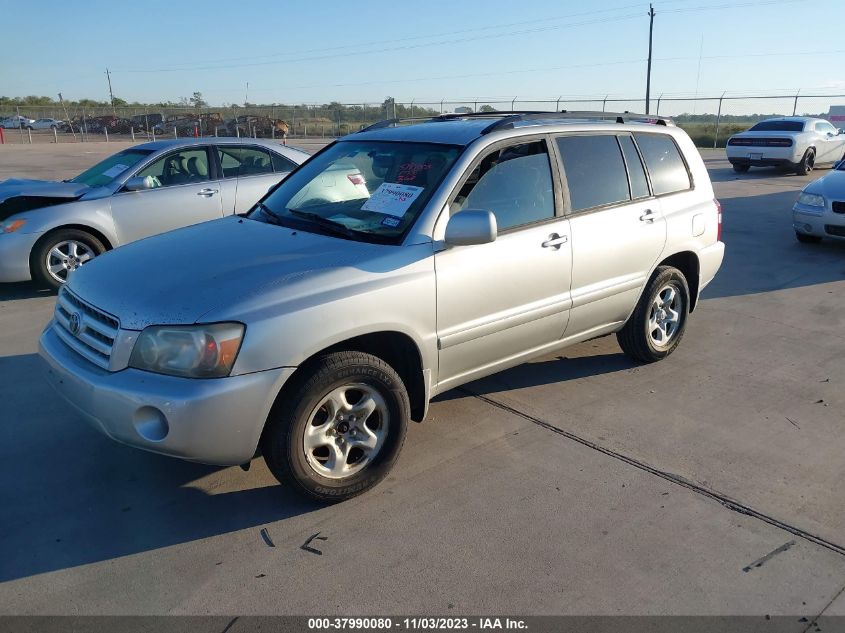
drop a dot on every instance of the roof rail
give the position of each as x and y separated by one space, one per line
617 117
505 119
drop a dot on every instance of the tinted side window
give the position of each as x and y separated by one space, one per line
594 170
244 161
664 163
636 173
515 183
280 163
825 127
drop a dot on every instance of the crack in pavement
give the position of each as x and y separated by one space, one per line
724 500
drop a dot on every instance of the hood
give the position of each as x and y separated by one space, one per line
17 195
15 187
831 186
180 276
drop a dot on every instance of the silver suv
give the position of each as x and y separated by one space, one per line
396 264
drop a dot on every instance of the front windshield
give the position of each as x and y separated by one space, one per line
362 189
107 170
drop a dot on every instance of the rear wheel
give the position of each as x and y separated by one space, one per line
741 169
340 429
807 163
807 239
658 323
58 254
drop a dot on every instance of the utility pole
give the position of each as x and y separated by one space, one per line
648 72
246 95
111 94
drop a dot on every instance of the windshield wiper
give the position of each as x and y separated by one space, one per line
330 225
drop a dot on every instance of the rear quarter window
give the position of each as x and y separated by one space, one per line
663 161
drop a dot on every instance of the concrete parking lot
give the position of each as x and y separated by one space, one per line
581 483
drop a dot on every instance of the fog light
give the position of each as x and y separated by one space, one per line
151 424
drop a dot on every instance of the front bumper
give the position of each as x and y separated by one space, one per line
819 222
213 421
14 255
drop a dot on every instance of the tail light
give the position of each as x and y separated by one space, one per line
356 179
718 220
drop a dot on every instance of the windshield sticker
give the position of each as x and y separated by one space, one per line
391 221
115 171
408 171
392 199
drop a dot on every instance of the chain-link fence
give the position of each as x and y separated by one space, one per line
709 119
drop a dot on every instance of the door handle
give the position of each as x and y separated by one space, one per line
647 216
206 193
555 241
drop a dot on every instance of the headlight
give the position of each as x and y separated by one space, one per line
194 351
10 226
811 199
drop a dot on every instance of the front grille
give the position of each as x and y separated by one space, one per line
760 142
838 206
85 329
832 229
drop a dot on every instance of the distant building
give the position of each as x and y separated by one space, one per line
837 115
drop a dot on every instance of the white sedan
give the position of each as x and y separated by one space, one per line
820 209
44 124
795 143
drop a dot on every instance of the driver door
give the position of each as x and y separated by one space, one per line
185 194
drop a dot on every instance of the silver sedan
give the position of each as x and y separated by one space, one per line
49 229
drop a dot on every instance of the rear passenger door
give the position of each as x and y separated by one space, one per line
618 230
248 173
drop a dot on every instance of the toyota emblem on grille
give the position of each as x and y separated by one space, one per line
75 323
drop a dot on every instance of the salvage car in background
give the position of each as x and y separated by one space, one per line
48 229
16 121
795 143
820 209
45 124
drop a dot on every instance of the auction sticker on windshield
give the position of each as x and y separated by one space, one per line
115 171
392 199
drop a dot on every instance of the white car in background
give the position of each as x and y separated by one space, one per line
795 143
14 122
44 124
820 209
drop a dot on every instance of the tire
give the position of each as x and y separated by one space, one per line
741 169
807 163
62 240
807 239
638 338
309 462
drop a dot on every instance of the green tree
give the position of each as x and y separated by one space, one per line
197 101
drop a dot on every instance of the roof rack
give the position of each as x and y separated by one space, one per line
508 118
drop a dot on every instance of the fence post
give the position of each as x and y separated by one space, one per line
20 123
557 103
293 121
795 104
512 102
106 132
718 119
132 132
441 106
412 108
175 132
29 134
657 112
604 103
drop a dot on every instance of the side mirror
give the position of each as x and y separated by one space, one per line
139 183
471 226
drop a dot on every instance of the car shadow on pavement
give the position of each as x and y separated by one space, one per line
23 290
545 371
762 254
71 496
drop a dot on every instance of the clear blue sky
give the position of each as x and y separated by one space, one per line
315 52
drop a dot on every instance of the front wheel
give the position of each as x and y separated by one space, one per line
657 324
58 254
339 430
